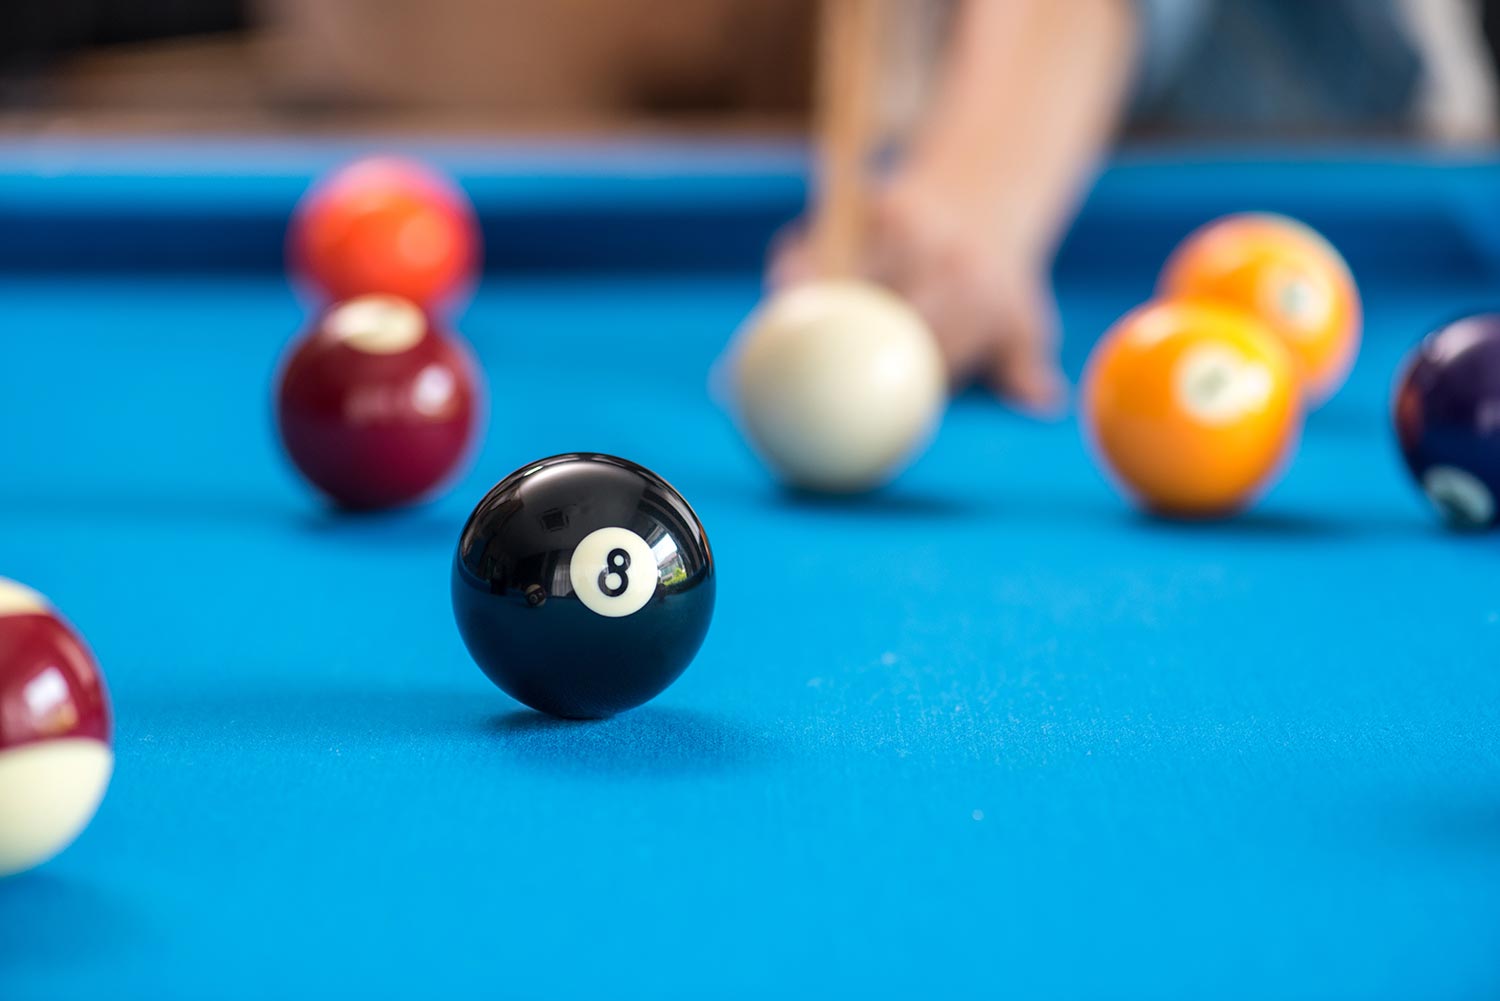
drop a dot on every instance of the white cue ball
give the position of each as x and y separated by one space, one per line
838 385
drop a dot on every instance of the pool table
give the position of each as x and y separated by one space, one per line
987 732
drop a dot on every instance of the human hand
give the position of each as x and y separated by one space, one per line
974 276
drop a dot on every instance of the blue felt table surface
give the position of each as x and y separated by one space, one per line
986 733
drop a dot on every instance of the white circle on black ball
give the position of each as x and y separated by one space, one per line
1460 496
613 572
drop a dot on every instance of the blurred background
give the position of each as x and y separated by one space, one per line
1252 87
504 66
451 65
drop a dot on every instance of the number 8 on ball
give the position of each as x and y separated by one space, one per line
613 572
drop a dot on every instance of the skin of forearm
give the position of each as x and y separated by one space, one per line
1029 95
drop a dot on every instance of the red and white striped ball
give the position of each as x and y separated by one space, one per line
55 731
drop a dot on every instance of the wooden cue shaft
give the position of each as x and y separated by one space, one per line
848 57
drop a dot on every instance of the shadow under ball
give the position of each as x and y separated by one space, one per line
583 585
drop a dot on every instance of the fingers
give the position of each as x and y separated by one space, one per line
1023 361
921 258
962 354
790 259
1034 383
991 322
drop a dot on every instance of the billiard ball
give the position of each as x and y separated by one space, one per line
386 225
1447 414
583 585
55 757
1289 276
375 406
1192 406
838 385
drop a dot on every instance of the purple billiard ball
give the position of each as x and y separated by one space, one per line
1447 414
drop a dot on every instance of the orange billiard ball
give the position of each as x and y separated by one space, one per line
1192 406
1286 274
386 226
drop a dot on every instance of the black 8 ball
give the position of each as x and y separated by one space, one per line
583 585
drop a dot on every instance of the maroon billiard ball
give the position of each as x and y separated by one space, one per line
55 756
376 407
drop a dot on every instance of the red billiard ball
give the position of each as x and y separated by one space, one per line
55 757
375 406
386 225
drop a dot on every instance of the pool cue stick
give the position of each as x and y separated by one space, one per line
847 76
